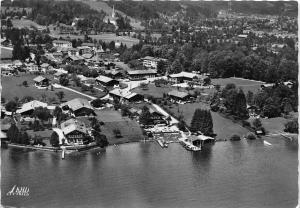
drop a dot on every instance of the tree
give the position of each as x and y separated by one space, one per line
42 113
24 138
291 126
257 123
145 117
250 97
25 84
13 133
100 139
95 124
60 95
161 67
176 67
64 81
97 103
125 110
11 106
54 140
202 121
240 106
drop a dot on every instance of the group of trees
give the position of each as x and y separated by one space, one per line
277 100
81 69
232 100
202 121
223 60
145 117
14 135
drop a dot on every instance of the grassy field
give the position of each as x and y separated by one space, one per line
154 91
246 85
223 127
26 23
158 92
12 87
106 37
273 125
6 53
130 129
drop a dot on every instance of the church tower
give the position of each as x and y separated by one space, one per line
113 12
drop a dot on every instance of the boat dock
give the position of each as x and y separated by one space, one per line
162 143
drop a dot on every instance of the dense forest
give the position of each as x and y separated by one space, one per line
146 10
47 12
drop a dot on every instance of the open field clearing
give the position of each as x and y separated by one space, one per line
129 129
246 85
223 127
12 87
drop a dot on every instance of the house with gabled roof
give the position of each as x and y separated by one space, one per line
178 96
142 74
126 95
106 81
28 108
78 107
41 81
75 132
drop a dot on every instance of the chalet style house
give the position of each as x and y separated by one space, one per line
106 81
28 108
41 81
178 96
78 107
141 74
126 96
75 132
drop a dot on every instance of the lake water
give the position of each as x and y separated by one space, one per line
226 174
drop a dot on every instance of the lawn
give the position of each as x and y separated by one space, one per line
12 87
272 125
26 23
246 85
6 53
157 92
223 127
154 91
130 129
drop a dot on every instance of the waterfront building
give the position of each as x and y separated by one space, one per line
75 132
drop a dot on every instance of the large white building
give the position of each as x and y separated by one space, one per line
62 43
151 62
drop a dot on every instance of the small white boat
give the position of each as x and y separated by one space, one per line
267 143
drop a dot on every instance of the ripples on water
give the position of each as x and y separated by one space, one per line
226 174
